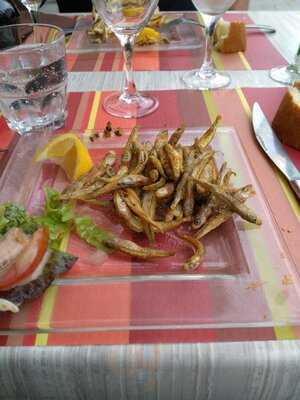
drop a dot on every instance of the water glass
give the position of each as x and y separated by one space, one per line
33 77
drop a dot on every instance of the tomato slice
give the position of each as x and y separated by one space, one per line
27 261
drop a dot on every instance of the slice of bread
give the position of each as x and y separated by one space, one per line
286 123
297 84
230 37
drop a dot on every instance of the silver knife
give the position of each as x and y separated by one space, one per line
272 146
182 20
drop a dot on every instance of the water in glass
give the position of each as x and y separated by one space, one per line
33 82
213 7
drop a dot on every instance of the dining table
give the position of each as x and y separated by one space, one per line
118 333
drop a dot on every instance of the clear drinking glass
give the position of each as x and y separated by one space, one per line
126 18
32 6
207 77
33 77
287 75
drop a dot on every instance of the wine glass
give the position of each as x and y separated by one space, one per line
287 75
126 18
32 6
207 77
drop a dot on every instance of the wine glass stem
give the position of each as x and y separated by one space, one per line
127 43
207 67
33 12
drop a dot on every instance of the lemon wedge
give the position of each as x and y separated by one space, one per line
69 153
148 36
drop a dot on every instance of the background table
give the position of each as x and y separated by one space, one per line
246 370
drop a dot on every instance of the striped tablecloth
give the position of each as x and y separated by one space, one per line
195 109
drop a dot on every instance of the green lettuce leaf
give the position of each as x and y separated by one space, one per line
14 216
91 233
58 217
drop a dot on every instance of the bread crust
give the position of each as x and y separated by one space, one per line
286 123
297 84
235 41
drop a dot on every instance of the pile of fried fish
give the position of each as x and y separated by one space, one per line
157 187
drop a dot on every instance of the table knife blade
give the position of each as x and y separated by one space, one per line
274 149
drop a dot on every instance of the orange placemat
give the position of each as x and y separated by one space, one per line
195 109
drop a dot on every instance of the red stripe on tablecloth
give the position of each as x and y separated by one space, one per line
108 61
6 135
84 300
5 320
71 60
85 62
167 113
72 108
202 336
169 303
180 59
146 61
193 110
92 338
3 340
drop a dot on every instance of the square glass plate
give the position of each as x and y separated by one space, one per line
242 281
182 36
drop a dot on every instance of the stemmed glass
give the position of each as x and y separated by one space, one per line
207 77
126 18
32 6
287 75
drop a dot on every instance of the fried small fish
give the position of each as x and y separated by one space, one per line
169 226
204 140
232 203
149 206
213 222
176 135
121 183
157 165
141 160
153 175
193 262
175 161
132 249
177 213
189 199
165 191
155 186
133 222
127 153
134 204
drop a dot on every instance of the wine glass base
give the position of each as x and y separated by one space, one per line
198 80
135 106
285 75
